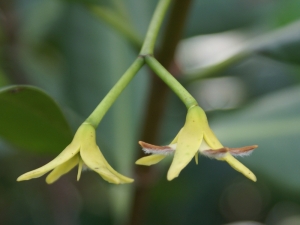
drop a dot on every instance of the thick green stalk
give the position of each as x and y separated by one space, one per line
176 87
155 24
97 115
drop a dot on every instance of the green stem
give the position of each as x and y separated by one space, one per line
155 24
176 87
97 115
118 23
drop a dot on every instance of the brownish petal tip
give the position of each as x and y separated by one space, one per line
242 150
148 148
141 143
214 152
154 147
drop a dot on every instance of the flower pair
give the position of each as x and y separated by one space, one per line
195 137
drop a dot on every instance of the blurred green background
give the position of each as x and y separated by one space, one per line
73 58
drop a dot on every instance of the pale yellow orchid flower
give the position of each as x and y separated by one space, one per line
195 137
83 151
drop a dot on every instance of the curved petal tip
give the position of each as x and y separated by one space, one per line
150 160
238 166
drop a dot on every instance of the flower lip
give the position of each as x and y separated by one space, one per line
243 151
219 153
215 153
154 149
211 153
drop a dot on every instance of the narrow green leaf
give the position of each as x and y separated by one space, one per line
283 45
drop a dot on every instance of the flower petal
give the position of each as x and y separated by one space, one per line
158 150
62 169
176 137
122 178
242 151
70 151
150 160
196 157
235 164
211 139
80 165
189 141
93 158
215 153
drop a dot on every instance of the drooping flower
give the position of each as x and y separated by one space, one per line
195 137
82 151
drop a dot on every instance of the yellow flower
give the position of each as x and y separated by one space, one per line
83 150
195 137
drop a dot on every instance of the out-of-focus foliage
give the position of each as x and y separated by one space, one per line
273 122
74 57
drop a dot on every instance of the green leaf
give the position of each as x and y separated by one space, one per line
220 16
284 43
32 120
285 12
